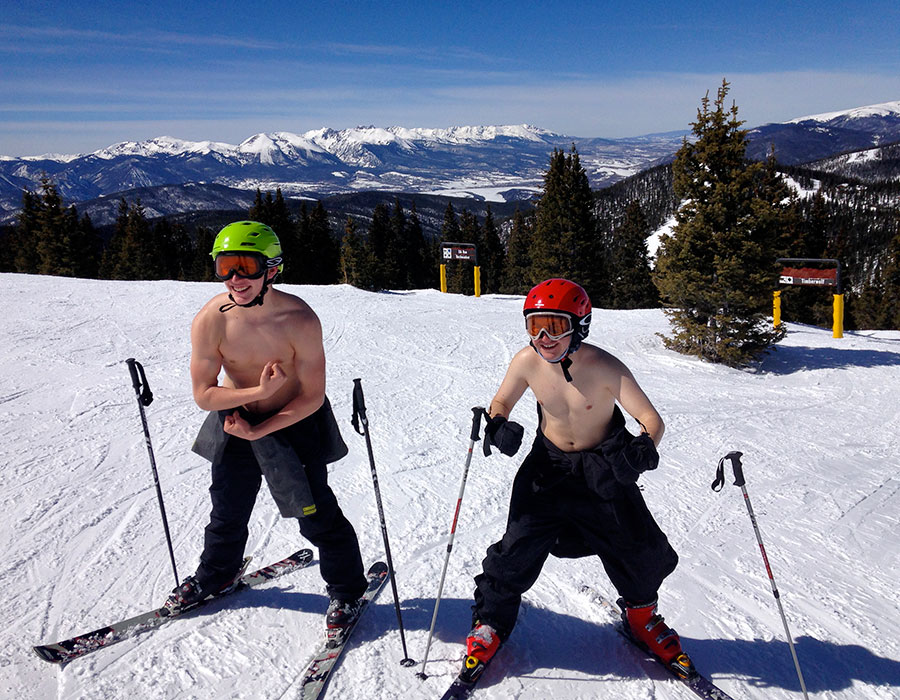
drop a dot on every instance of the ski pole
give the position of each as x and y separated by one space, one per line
739 480
476 429
145 398
359 416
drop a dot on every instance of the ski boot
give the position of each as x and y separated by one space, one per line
191 592
650 631
481 645
340 617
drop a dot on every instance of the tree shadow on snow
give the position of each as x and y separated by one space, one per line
547 639
787 360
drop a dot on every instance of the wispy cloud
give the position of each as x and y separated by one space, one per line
18 37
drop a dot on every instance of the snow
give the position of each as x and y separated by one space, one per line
817 422
880 110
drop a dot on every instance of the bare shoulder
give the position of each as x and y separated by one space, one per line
601 360
292 308
209 318
295 319
524 362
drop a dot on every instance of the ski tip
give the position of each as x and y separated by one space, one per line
304 555
379 568
47 654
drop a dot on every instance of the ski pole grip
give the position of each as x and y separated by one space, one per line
477 412
139 379
738 468
736 465
135 381
359 406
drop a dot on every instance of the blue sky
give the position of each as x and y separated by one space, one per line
76 76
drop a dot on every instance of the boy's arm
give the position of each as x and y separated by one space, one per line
206 363
635 402
511 388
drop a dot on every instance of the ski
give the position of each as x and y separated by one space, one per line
464 684
701 686
319 669
75 647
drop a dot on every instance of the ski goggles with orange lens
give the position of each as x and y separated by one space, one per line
554 326
246 265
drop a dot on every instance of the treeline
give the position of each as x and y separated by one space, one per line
561 236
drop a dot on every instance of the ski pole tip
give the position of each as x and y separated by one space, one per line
407 662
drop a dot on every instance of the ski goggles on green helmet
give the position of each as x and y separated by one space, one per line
555 326
250 266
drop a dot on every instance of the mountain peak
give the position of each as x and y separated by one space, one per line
884 109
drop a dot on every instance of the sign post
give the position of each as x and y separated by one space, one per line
460 251
817 277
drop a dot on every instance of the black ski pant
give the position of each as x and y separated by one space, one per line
236 479
562 516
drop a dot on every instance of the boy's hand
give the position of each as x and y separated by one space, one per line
271 379
504 434
237 426
636 457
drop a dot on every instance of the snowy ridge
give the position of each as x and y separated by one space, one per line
880 110
817 422
265 146
161 145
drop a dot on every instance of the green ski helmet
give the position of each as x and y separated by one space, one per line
249 236
254 238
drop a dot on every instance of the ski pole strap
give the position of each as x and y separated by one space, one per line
139 381
359 407
736 465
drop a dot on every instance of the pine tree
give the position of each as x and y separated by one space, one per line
890 279
564 241
379 243
201 267
88 246
53 240
358 265
324 251
717 270
396 262
421 270
26 234
630 282
491 255
132 253
516 275
173 250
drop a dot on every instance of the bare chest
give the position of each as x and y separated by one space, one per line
576 415
245 350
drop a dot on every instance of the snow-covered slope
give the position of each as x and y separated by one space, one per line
83 544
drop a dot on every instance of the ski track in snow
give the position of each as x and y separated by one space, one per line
817 422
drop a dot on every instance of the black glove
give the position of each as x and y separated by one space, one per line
635 458
503 434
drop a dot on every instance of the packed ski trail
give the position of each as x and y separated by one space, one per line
817 422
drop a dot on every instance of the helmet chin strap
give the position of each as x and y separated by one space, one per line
258 301
564 361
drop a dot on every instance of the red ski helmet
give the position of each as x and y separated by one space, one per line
562 296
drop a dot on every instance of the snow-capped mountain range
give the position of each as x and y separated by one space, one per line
820 136
496 163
